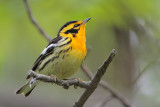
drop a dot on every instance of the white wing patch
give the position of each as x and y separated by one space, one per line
51 45
63 39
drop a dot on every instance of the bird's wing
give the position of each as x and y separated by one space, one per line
47 51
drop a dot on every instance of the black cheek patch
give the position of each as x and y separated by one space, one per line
72 31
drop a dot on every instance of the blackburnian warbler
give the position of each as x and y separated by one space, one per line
62 57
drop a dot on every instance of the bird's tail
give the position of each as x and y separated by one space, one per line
26 89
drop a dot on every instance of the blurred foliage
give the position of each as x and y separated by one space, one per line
21 43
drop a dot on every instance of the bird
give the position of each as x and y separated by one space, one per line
62 57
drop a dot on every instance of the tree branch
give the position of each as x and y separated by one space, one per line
106 86
53 79
35 23
94 82
75 82
89 86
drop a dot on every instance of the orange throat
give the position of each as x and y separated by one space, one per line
79 42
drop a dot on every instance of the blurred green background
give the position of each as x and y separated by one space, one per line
132 27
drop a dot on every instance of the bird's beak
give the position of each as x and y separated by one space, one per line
86 20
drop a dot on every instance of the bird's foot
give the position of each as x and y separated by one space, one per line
79 80
54 77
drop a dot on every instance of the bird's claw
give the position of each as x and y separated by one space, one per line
55 78
79 80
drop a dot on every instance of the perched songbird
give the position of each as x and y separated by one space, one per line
62 57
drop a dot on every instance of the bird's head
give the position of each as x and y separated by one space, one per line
73 29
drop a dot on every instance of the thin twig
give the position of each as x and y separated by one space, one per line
95 81
87 71
122 99
106 86
103 102
89 86
65 83
35 23
84 68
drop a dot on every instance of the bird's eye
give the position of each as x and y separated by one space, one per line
76 25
